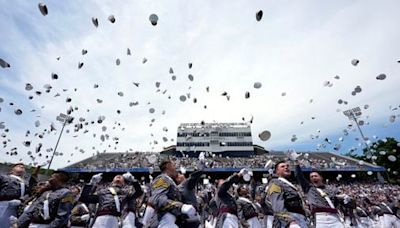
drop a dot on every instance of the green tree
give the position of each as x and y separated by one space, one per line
384 153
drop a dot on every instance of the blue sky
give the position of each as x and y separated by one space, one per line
294 49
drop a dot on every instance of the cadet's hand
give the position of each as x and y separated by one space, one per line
188 209
128 177
243 172
14 203
346 199
96 179
294 225
13 221
85 217
293 155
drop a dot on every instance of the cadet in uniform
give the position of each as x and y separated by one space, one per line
52 208
165 197
267 210
321 199
80 213
347 205
14 189
109 199
226 204
363 219
247 210
285 200
187 194
388 209
133 193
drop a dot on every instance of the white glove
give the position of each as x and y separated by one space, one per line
148 214
13 221
346 199
188 209
96 179
85 217
293 155
243 171
128 177
294 226
14 203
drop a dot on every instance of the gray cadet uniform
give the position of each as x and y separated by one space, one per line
187 194
13 190
248 212
267 211
79 210
110 202
226 204
322 201
60 203
388 218
363 219
286 203
129 213
165 200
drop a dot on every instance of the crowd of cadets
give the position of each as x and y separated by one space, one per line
171 200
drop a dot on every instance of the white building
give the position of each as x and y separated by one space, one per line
232 139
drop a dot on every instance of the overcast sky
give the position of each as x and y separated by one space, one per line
295 49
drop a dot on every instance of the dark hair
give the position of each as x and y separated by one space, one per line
238 189
63 176
163 165
279 162
315 171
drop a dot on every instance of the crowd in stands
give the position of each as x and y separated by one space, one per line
139 160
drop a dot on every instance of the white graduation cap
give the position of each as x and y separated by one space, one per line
257 85
265 135
153 18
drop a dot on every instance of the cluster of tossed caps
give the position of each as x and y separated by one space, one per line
154 19
356 90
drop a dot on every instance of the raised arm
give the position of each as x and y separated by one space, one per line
193 179
87 195
223 189
305 185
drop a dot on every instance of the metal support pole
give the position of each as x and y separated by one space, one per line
359 129
55 148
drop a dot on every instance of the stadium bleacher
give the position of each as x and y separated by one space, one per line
139 162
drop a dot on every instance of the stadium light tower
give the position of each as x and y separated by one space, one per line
64 119
353 114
